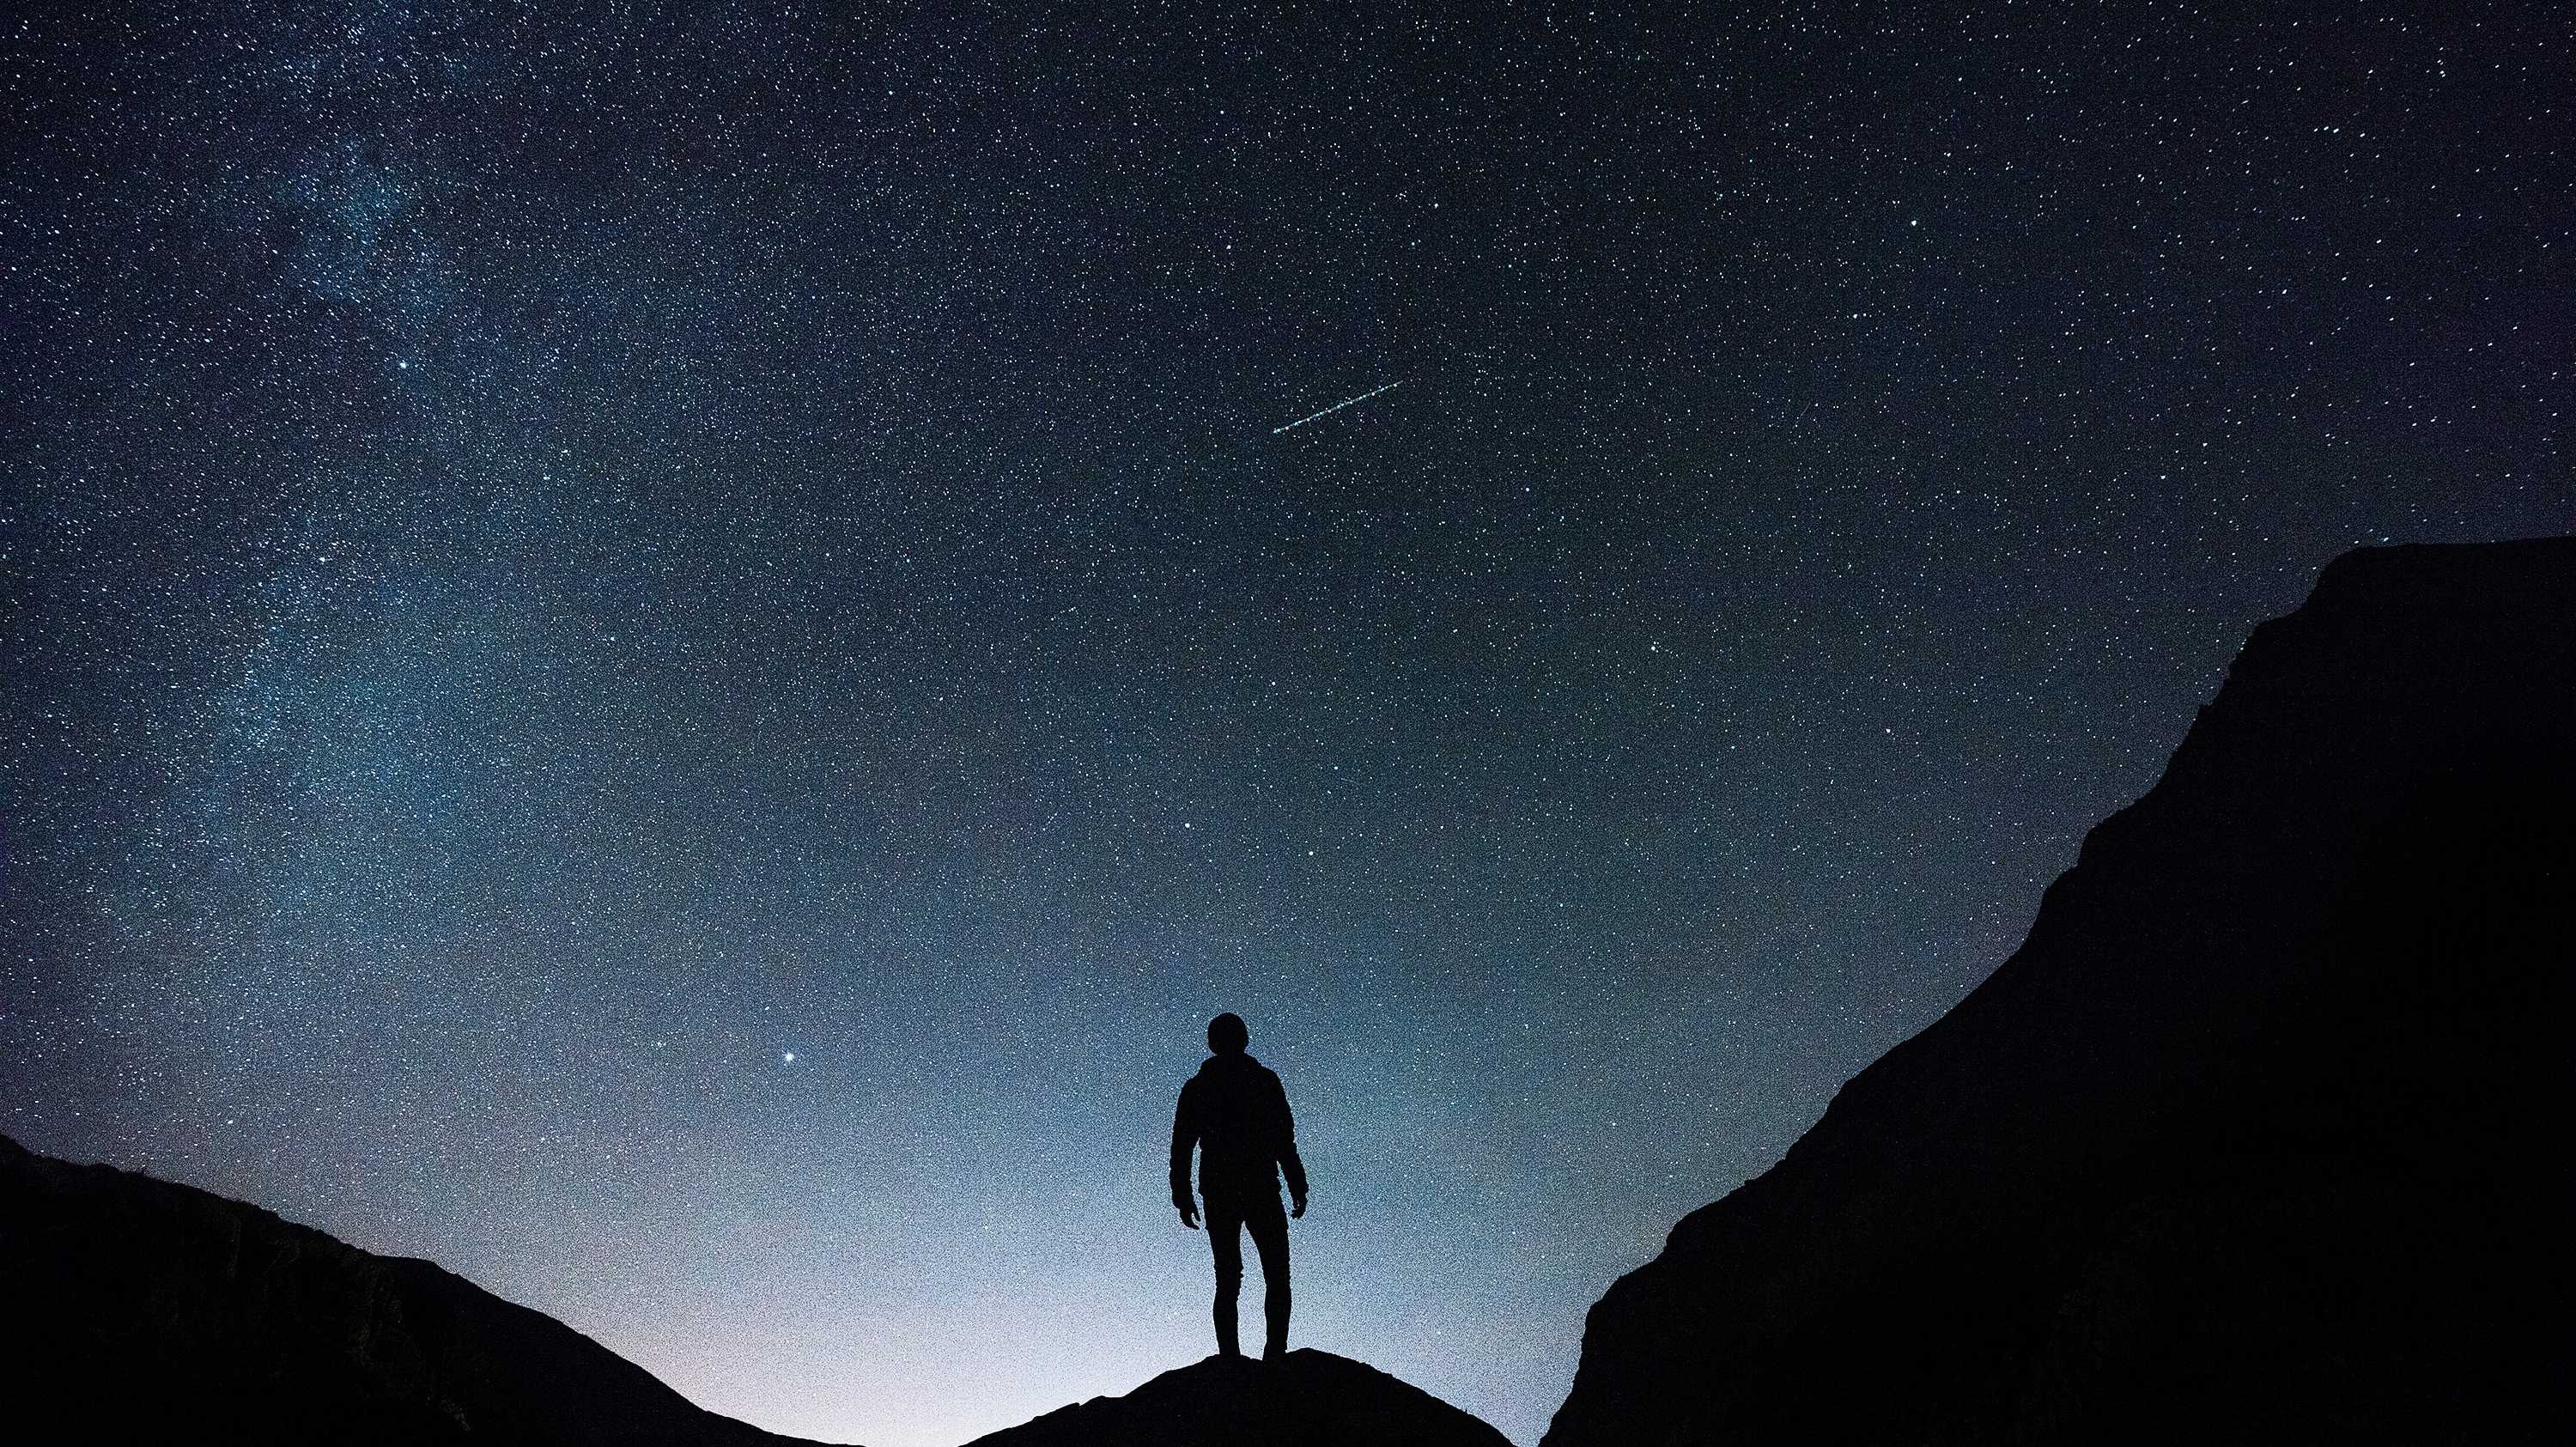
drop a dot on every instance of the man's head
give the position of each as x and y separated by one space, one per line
1227 1035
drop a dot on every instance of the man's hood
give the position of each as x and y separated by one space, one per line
1228 1064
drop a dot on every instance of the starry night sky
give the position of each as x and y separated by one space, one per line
665 653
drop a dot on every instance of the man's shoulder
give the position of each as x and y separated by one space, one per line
1231 1080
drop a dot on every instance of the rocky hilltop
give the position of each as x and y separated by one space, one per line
1305 1399
2258 1135
138 1310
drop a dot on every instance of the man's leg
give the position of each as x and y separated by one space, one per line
1269 1227
1225 1238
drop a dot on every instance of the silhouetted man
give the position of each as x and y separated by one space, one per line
1236 1114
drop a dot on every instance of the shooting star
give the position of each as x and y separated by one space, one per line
1338 406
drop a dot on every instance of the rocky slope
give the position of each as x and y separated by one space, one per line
2257 1136
1306 1399
138 1310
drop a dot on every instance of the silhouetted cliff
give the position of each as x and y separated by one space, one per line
138 1310
1306 1399
2259 1134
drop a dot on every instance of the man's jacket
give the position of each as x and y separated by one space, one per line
1236 1114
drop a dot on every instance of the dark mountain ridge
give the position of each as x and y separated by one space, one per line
2253 1136
1304 1399
142 1310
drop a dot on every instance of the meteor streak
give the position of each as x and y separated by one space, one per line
1338 406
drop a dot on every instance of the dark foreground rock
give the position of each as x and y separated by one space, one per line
136 1310
1306 1399
2260 1133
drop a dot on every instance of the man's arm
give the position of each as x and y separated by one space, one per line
1185 1137
1289 1166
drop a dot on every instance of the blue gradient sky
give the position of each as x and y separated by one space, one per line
556 557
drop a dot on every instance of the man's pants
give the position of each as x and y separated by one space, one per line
1262 1216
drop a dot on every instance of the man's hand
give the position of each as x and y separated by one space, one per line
1298 1208
1189 1217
